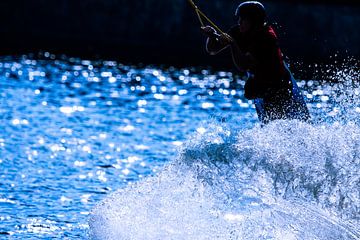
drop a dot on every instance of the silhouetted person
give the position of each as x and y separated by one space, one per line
255 50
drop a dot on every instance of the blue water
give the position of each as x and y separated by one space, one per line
101 150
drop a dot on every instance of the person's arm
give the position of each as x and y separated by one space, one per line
215 42
214 45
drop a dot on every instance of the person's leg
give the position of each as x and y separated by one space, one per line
298 105
260 110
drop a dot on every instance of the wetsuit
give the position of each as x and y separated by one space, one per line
270 85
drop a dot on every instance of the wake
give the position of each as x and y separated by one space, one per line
287 180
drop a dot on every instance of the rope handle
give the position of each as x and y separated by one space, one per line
200 14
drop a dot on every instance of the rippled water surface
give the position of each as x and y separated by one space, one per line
75 133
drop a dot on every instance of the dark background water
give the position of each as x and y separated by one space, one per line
167 32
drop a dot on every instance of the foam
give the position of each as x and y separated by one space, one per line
287 180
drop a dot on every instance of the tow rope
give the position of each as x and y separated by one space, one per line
201 15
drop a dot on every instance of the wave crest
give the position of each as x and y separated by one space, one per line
287 179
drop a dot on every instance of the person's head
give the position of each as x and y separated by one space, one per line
250 15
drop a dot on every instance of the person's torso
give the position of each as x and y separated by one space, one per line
262 44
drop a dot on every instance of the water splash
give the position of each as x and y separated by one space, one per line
286 180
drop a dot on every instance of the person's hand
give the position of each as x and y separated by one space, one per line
225 39
209 31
